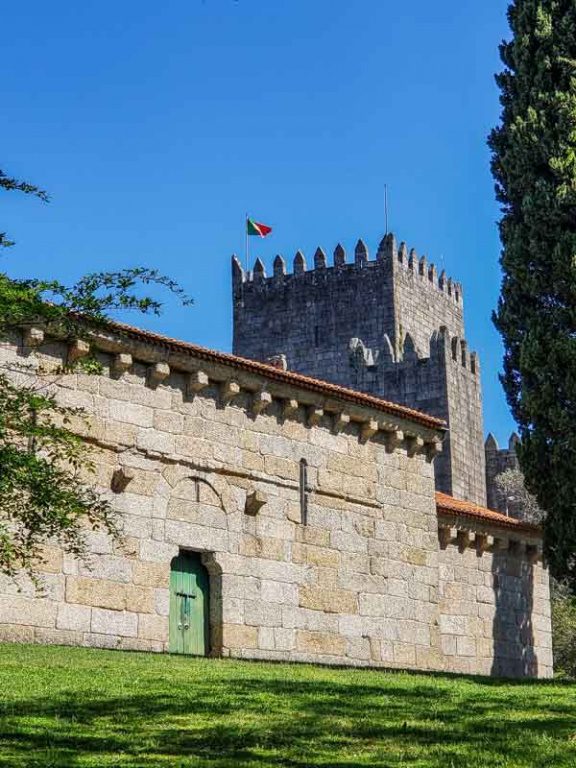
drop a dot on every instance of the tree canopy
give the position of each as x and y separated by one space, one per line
534 165
45 491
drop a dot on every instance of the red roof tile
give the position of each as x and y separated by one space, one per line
448 505
276 374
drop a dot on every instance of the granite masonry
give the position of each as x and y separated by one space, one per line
311 506
391 326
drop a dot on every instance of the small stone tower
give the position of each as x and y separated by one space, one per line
390 326
499 460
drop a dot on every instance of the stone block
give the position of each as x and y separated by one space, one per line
196 536
308 534
233 610
262 546
284 639
120 623
321 556
153 627
329 600
168 421
404 654
149 574
162 601
94 592
16 633
93 640
108 567
156 442
359 648
320 643
140 644
139 599
73 617
56 636
266 638
428 658
101 593
466 646
158 552
417 556
70 565
262 614
37 612
50 560
239 637
348 542
278 592
131 413
284 468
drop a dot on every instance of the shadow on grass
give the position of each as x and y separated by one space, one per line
277 722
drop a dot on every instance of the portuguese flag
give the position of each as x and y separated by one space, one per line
254 228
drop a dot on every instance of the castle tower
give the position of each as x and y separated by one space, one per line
389 326
499 460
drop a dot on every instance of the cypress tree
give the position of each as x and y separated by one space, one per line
534 166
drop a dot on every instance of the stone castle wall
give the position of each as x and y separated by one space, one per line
193 441
494 606
380 326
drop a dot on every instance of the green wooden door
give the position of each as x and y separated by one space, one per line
189 590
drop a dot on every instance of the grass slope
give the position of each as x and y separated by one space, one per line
79 707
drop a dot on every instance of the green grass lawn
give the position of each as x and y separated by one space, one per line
80 707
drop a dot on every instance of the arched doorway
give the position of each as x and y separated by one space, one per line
189 605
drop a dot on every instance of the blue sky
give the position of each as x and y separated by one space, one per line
156 126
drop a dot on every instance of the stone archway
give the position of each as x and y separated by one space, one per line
197 517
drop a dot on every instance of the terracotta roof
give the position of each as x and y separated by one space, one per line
276 374
448 505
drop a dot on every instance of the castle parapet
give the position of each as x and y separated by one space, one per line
388 256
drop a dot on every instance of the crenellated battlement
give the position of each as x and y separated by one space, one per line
441 348
388 255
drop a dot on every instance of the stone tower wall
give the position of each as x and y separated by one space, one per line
389 326
424 301
310 316
498 460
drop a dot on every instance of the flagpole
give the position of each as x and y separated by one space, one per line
386 207
246 241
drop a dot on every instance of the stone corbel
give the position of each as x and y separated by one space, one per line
433 448
260 401
121 478
255 500
289 408
77 350
314 416
394 440
197 381
121 363
158 373
229 390
368 429
463 539
445 535
341 421
482 543
414 444
33 337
